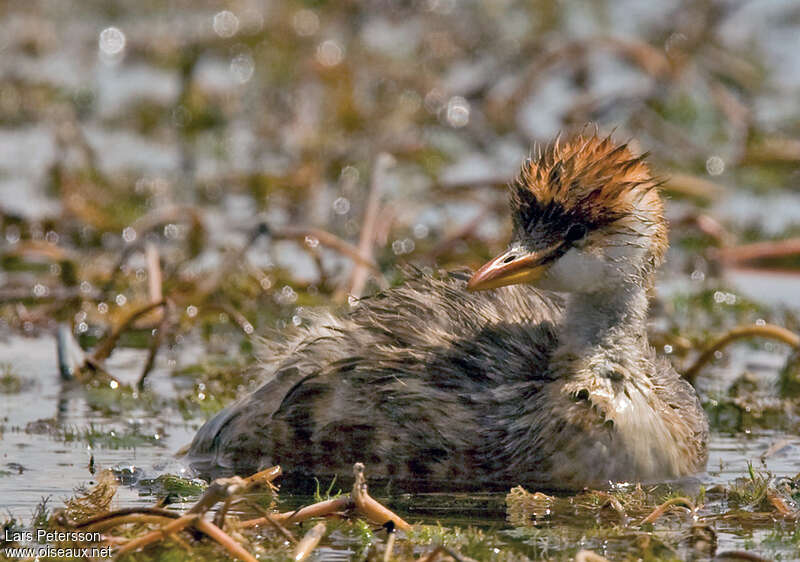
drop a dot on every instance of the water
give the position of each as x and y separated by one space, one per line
46 444
36 419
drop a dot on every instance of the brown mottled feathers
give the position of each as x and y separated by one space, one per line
417 382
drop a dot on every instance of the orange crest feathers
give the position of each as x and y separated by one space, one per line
588 180
590 176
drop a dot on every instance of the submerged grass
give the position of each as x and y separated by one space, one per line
629 522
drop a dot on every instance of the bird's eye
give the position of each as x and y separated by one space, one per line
575 232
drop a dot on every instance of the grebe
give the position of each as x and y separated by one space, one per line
434 381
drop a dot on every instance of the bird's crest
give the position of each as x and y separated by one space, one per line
590 178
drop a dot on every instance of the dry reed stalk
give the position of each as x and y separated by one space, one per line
328 239
664 507
759 251
358 277
780 505
265 476
615 505
238 318
104 348
770 331
369 507
158 534
269 517
154 277
157 340
387 553
309 542
692 186
224 539
316 510
138 518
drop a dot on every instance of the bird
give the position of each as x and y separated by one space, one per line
534 370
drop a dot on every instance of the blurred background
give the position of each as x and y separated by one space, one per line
187 124
231 164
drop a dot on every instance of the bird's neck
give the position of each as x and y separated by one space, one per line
605 329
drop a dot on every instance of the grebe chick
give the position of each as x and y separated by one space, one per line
436 382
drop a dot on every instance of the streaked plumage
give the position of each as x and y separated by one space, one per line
430 382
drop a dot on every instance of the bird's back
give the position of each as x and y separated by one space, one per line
416 381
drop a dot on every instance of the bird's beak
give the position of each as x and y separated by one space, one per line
513 267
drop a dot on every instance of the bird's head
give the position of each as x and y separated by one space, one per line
587 218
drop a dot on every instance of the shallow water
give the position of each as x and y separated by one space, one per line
32 455
41 460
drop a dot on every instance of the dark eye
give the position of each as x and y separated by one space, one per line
575 232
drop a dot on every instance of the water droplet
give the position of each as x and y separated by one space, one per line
350 175
457 111
120 299
102 307
330 53
129 234
341 206
715 165
226 24
287 295
12 234
421 231
403 246
242 68
311 241
111 41
191 311
266 283
114 385
170 231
